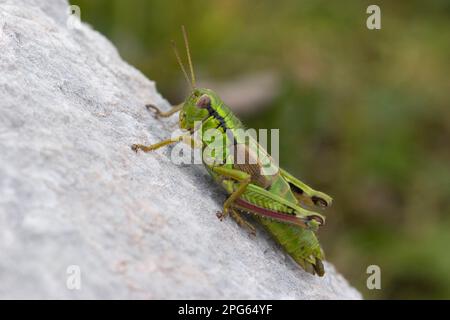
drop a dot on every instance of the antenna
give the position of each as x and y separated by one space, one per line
186 43
175 50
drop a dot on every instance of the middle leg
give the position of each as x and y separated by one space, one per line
243 179
242 222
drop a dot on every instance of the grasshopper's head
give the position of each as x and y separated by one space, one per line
197 106
200 102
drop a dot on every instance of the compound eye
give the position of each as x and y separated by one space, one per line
204 102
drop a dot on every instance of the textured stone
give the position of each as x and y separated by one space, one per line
73 192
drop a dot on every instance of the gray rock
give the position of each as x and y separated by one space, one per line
73 193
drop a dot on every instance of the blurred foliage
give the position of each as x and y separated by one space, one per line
364 115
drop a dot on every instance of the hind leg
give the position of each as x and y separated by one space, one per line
243 180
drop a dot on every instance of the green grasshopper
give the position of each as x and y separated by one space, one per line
279 201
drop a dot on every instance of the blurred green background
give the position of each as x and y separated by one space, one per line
364 115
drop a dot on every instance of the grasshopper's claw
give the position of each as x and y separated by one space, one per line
135 148
151 107
220 215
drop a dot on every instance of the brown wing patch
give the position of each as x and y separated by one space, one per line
247 160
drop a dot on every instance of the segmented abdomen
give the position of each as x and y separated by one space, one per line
301 244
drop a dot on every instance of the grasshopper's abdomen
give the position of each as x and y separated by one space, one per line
302 245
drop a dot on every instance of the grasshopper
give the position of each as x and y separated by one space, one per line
279 201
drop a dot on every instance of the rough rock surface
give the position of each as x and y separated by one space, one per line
73 193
